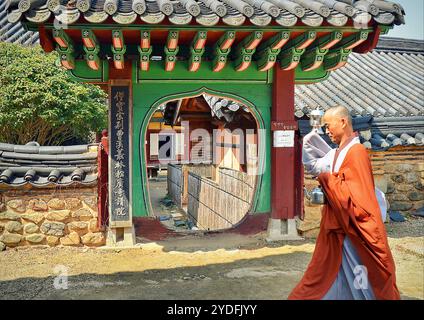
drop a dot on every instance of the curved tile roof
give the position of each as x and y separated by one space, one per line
14 32
208 12
383 83
42 166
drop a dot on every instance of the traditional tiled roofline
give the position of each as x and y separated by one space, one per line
402 45
43 166
208 12
382 134
385 83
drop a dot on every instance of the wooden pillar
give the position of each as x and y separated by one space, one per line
283 125
102 181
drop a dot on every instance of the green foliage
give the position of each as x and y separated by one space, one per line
40 102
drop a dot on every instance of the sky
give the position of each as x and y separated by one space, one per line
414 20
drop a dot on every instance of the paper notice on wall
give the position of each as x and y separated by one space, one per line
283 138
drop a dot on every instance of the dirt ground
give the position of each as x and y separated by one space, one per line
218 266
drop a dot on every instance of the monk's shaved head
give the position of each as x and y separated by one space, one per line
339 112
338 124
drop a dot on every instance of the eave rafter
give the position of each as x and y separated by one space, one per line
65 48
245 50
171 50
222 49
326 48
145 50
196 50
293 50
268 51
337 57
314 55
91 48
118 49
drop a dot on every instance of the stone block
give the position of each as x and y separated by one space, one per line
73 203
404 187
405 167
56 204
80 227
35 217
400 206
398 178
52 240
2 246
390 187
416 196
82 214
411 177
72 239
17 205
9 215
53 228
13 226
37 205
92 226
94 239
10 239
31 228
35 238
90 202
420 166
58 215
398 197
419 186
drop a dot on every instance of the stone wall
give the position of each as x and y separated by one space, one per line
65 216
398 172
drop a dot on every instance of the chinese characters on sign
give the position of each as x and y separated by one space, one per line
119 152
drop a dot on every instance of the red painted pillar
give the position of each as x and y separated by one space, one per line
283 175
102 181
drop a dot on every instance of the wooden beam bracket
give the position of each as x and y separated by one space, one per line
145 58
336 58
291 54
268 51
197 50
353 40
245 50
66 57
170 58
314 55
222 49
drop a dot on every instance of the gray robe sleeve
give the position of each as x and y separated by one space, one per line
316 154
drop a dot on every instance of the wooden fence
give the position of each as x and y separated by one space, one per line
219 205
175 183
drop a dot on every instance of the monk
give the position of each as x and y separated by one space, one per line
352 258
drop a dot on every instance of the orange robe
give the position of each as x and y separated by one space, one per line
351 209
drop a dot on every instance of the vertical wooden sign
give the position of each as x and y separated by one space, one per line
120 117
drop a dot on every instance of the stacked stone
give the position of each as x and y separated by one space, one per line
69 220
405 186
